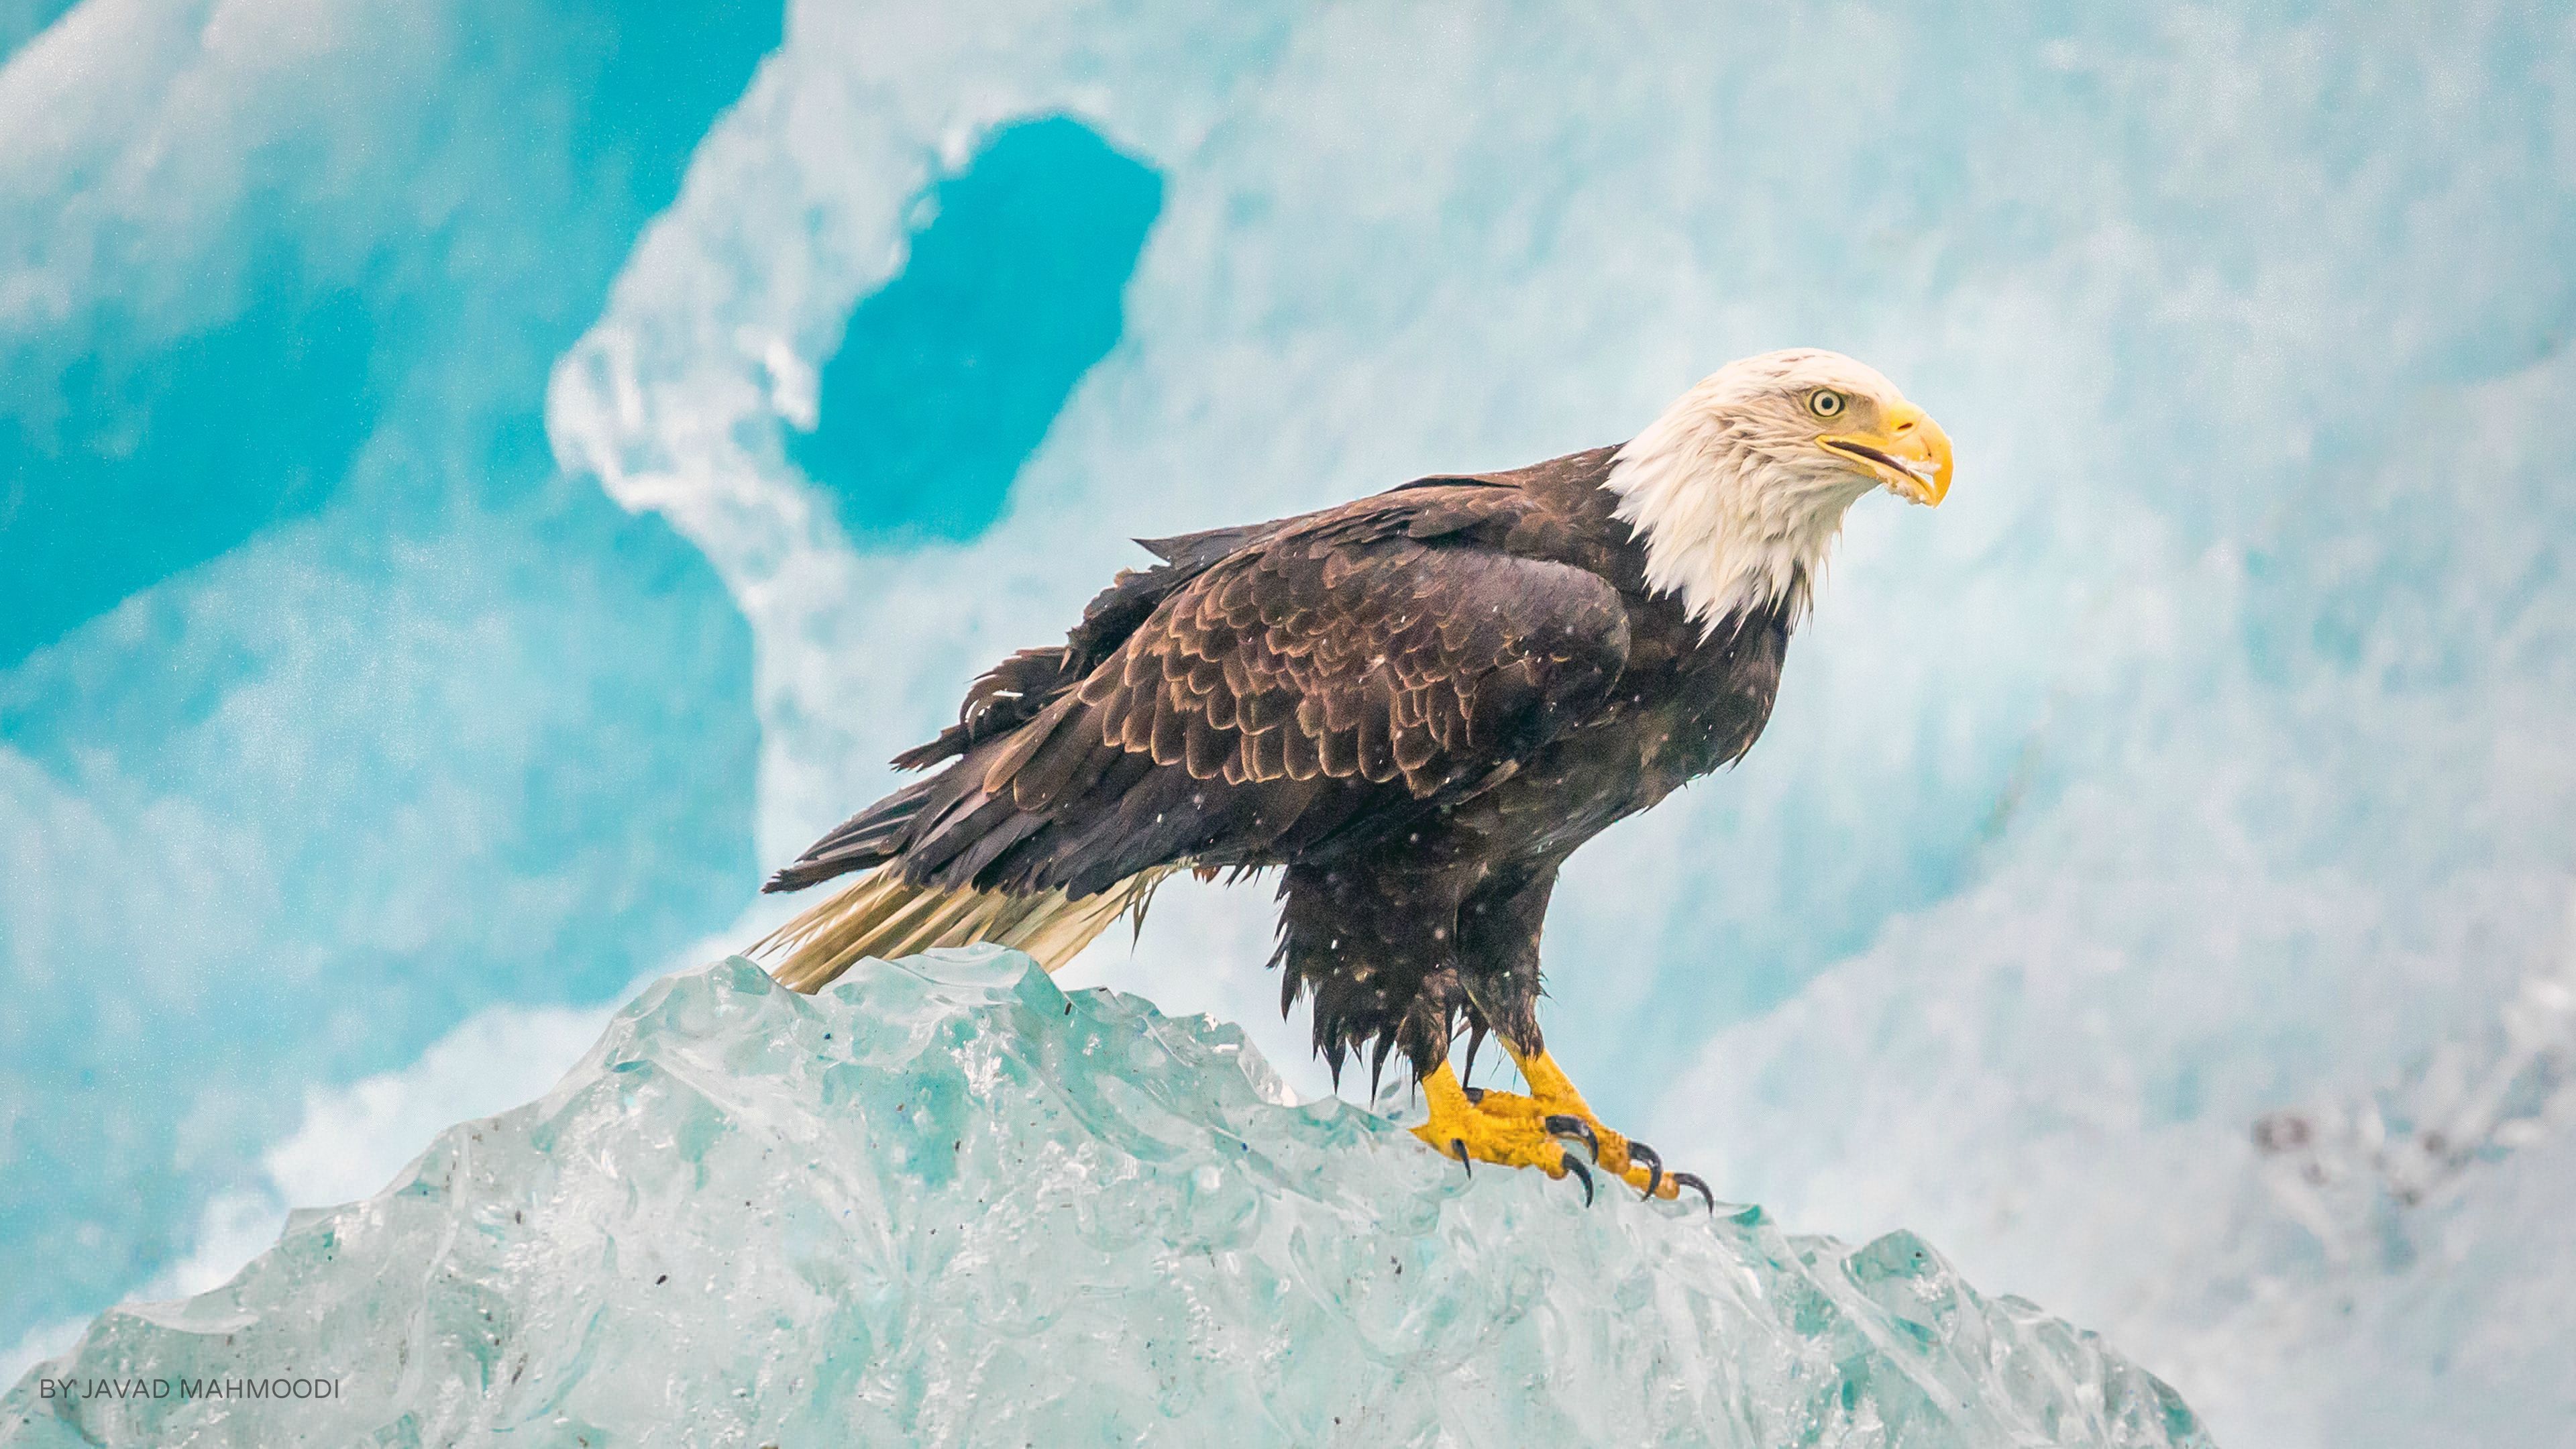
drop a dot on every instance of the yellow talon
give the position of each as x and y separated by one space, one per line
1516 1131
1462 1129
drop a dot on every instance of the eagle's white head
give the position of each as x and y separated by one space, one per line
1738 490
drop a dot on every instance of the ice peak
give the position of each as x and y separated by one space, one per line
946 1203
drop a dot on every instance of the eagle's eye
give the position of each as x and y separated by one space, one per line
1824 402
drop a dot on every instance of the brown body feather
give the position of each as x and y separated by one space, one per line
1416 705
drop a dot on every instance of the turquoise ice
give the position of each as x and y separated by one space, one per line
523 469
946 1203
324 695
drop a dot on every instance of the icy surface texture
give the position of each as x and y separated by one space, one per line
326 702
2201 768
947 1203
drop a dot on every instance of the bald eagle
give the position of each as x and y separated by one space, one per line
1414 707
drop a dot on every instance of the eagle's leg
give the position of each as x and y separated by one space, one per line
1498 967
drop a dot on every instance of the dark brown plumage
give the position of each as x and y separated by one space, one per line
1416 705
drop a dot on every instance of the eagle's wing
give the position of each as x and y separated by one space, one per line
1332 669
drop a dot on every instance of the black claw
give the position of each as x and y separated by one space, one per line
1562 1125
1581 1171
1464 1160
1475 1095
1640 1152
1691 1180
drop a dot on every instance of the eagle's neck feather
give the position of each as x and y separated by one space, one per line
1730 524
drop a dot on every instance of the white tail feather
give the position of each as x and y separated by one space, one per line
883 916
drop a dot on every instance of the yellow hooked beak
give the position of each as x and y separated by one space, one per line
1909 453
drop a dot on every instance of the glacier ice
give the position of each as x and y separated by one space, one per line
392 702
948 1203
2204 759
